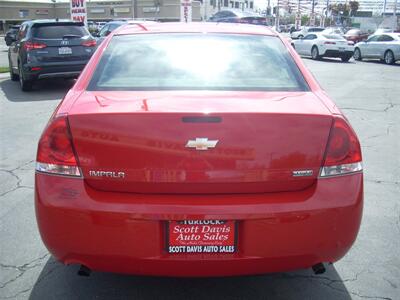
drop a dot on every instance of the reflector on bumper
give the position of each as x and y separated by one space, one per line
341 169
58 169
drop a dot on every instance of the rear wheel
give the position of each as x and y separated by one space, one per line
345 58
26 85
389 57
14 77
315 53
357 54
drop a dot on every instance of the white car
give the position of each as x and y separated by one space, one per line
304 31
385 47
333 30
318 45
383 30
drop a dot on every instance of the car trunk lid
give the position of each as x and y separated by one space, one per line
146 142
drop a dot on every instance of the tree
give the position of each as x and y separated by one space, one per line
354 5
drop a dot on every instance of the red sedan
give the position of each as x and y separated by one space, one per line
356 35
198 150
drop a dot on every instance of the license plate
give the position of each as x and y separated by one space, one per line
64 50
341 49
201 236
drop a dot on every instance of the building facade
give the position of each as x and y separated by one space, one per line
17 11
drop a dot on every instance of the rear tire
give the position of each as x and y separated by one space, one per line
26 85
357 54
14 77
315 53
389 57
345 58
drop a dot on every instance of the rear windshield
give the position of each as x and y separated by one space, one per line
197 62
58 31
333 37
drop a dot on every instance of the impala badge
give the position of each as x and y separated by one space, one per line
109 174
201 144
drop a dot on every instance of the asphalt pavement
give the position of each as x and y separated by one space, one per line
367 92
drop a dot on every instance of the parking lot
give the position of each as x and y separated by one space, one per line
367 92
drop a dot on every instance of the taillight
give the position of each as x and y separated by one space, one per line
90 43
330 43
32 46
56 154
343 152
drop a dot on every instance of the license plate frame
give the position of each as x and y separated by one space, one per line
229 246
342 49
64 51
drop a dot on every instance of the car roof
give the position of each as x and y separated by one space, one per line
394 35
241 13
193 27
52 21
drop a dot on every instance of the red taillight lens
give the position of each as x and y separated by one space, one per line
90 43
343 153
55 151
330 43
32 46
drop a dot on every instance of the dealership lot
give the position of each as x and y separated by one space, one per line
368 93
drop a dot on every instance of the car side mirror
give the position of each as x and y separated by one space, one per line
107 32
95 34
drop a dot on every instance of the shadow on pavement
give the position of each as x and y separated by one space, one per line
62 282
375 61
44 90
331 60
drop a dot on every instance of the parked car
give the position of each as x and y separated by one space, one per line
49 48
333 30
107 29
385 47
11 34
383 30
356 35
111 26
172 158
238 16
304 31
318 45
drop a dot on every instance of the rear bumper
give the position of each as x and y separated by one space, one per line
54 70
125 233
337 53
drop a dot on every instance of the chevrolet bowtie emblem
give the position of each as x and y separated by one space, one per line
201 143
